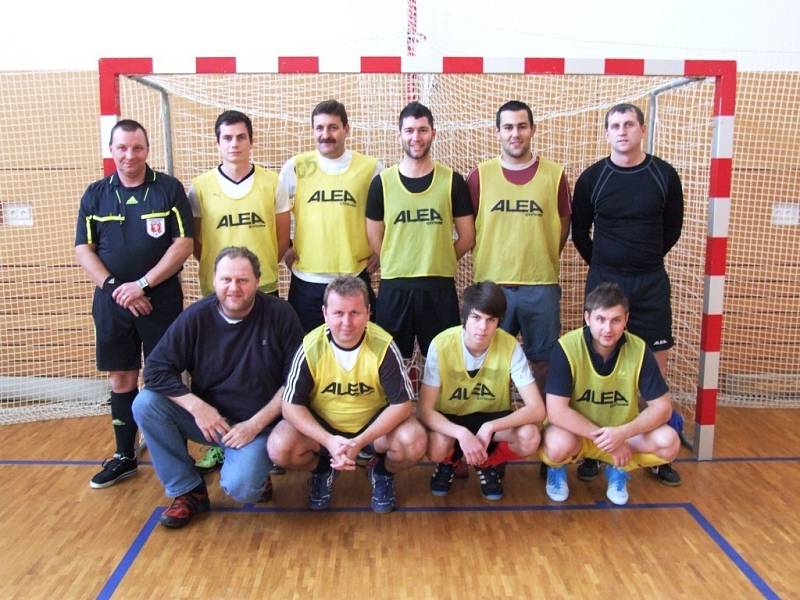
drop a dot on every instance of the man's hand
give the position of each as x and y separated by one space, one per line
485 434
622 455
240 434
127 293
473 448
140 307
290 258
374 263
211 423
608 439
343 453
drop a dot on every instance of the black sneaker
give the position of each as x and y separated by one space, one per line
491 482
321 489
666 475
115 469
588 469
442 479
266 495
383 499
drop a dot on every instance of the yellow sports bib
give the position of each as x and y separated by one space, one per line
330 234
346 400
488 391
248 222
418 228
517 229
605 400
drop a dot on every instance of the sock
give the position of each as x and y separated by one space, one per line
124 425
324 463
500 455
380 465
455 455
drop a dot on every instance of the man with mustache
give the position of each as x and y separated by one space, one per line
328 189
412 210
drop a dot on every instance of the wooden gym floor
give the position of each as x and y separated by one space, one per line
731 530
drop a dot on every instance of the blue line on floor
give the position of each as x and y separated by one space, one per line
743 566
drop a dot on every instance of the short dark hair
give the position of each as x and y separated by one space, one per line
231 117
347 285
622 109
330 107
514 106
606 295
239 252
417 110
486 297
128 125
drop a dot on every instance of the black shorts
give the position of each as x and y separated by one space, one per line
346 434
306 299
407 310
120 338
474 421
649 297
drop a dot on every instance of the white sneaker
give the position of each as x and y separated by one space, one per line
617 490
557 488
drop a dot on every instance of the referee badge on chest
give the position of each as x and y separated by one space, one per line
155 227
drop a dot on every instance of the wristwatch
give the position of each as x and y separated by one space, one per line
143 283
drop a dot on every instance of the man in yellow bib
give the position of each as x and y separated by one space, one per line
237 204
597 374
411 212
328 190
347 388
465 399
522 214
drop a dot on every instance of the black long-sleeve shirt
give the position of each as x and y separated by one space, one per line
636 214
235 367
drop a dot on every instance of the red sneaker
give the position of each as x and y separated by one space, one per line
184 507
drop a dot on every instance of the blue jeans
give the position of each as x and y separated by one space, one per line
166 428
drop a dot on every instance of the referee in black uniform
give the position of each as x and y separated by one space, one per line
133 235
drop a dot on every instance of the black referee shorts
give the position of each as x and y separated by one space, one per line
120 338
649 297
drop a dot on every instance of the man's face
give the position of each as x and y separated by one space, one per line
234 144
606 326
346 317
330 135
416 137
479 330
515 135
235 285
624 133
129 150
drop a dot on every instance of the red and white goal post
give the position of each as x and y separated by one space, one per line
693 130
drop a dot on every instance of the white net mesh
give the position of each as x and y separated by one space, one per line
568 111
761 338
49 128
49 154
